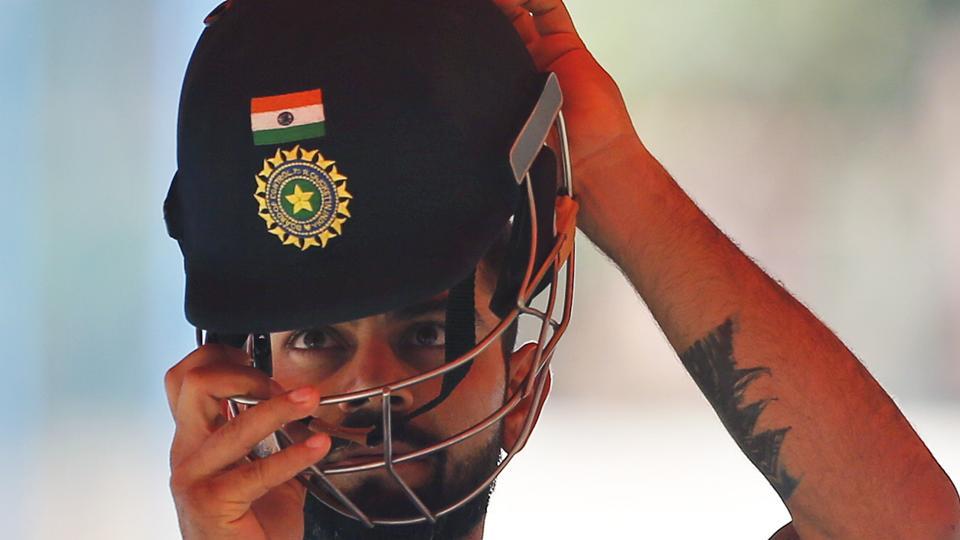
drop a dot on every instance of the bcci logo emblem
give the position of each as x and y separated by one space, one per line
302 197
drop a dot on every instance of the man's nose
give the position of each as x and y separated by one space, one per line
401 401
376 366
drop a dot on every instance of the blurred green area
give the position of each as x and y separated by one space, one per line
852 54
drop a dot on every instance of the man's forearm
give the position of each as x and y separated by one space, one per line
798 403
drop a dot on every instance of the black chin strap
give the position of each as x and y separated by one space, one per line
460 337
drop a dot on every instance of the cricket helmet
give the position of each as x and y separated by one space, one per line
340 159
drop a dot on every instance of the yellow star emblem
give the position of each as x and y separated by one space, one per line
300 199
305 210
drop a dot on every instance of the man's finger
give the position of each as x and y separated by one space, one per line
546 52
199 406
236 438
549 16
253 480
201 356
523 23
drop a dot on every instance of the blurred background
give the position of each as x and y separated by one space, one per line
820 135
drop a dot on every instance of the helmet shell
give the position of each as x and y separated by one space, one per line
421 101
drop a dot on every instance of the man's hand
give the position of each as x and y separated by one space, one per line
218 492
597 118
601 134
801 406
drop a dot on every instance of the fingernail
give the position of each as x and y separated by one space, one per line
319 440
302 395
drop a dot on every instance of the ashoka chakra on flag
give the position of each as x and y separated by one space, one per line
287 117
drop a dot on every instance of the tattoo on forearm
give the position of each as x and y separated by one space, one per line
711 364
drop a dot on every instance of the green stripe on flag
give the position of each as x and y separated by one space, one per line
289 134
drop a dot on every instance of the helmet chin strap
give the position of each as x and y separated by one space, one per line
262 353
461 309
460 331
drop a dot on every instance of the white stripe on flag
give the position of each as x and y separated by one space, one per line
301 115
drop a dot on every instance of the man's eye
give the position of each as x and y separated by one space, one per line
429 334
313 339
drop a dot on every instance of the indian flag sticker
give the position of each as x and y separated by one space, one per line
287 117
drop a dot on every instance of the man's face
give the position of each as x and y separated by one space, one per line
377 350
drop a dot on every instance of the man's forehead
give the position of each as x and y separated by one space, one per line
424 307
438 303
431 306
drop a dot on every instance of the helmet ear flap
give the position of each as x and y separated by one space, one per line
545 183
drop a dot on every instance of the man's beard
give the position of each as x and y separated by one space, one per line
323 523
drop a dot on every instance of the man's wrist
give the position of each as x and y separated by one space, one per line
618 190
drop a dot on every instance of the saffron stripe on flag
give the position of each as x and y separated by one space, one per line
286 101
288 134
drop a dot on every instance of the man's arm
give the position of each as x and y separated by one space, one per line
802 408
831 442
